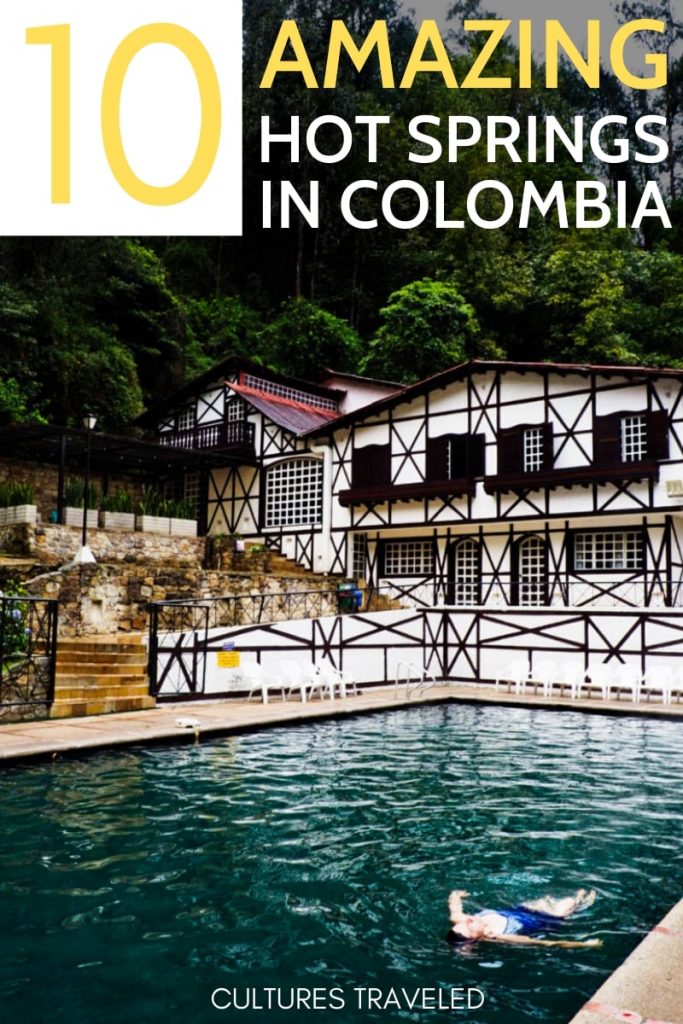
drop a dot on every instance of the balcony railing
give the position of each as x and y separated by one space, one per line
238 435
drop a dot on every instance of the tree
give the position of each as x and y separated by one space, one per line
304 339
427 326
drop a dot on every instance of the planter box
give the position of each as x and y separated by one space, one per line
74 517
153 524
117 520
184 527
23 514
3 517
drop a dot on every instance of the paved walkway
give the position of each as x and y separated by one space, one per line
648 987
43 740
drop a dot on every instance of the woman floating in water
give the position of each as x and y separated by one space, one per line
517 924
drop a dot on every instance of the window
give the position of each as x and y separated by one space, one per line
294 493
455 457
531 572
467 576
633 438
533 449
526 448
408 558
234 410
186 418
360 547
371 466
191 489
608 549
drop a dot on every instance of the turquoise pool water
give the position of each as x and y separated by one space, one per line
133 885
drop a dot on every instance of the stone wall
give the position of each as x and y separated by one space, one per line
56 545
107 599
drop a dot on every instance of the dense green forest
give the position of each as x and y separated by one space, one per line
115 323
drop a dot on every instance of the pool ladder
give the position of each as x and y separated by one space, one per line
416 678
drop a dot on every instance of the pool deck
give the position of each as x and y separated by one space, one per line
30 741
648 987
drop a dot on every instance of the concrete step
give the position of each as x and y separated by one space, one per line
71 693
97 679
108 658
106 706
111 649
93 668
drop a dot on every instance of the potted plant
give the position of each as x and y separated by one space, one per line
17 503
116 511
73 499
152 514
183 518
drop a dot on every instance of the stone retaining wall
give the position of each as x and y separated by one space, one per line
106 599
56 545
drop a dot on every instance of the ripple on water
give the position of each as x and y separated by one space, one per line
323 855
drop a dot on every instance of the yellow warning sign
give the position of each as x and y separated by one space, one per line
228 659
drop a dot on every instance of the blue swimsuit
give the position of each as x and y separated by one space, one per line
522 921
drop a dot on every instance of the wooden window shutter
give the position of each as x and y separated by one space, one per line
460 444
510 451
436 462
607 440
658 435
548 454
477 455
371 466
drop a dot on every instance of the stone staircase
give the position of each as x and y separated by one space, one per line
100 675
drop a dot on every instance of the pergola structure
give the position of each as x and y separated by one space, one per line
66 449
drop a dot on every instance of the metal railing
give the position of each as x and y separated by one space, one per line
28 648
179 630
183 633
239 434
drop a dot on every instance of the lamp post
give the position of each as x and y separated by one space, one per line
85 555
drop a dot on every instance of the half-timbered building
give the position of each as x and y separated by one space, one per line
492 483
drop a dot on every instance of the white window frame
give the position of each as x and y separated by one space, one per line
408 558
531 581
192 485
359 551
293 493
533 449
235 410
466 574
634 438
187 418
608 551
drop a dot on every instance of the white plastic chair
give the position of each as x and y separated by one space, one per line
515 674
544 676
573 675
663 681
336 679
259 680
628 678
599 676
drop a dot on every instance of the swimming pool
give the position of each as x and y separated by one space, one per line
133 885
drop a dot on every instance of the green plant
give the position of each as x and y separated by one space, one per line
151 502
181 509
73 494
14 622
120 501
16 494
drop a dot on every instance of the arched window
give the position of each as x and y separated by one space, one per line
531 571
466 572
294 493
